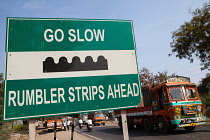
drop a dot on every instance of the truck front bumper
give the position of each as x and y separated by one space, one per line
99 122
191 124
189 121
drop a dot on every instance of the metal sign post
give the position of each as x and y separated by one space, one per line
72 129
32 129
124 125
55 127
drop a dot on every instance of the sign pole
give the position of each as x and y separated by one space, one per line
55 125
32 130
72 129
124 125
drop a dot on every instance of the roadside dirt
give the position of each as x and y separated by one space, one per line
43 134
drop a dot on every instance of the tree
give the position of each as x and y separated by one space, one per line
1 83
204 85
162 76
192 38
1 96
4 131
204 90
146 77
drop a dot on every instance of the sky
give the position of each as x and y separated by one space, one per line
153 20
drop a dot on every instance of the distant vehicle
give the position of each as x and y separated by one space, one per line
50 125
97 117
80 125
89 127
167 105
84 117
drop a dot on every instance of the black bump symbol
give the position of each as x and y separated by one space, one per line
76 65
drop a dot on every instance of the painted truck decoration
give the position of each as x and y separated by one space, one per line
167 105
69 66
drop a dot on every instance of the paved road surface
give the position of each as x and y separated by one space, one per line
112 132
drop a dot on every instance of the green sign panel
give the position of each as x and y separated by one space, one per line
69 66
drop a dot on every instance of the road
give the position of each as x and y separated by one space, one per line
112 132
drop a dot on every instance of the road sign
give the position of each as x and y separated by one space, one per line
68 66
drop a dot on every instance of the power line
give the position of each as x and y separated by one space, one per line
190 71
197 74
186 68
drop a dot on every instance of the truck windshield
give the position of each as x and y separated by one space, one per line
98 115
85 115
191 92
176 93
179 92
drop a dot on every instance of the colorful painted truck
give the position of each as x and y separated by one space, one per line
167 105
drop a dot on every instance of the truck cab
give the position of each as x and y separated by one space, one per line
178 102
97 117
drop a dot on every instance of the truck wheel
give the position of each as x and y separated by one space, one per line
162 125
131 126
189 128
147 125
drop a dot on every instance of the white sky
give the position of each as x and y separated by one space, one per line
154 21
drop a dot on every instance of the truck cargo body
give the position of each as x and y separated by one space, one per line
170 104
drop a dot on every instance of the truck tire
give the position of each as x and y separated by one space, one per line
131 126
162 125
189 128
147 125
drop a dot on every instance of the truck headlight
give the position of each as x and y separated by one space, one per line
178 110
177 117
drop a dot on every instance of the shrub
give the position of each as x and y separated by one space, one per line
208 112
20 127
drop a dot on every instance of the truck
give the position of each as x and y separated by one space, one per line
97 118
50 125
165 106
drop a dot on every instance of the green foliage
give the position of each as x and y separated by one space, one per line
208 112
204 90
204 86
205 98
4 130
192 38
1 96
20 127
